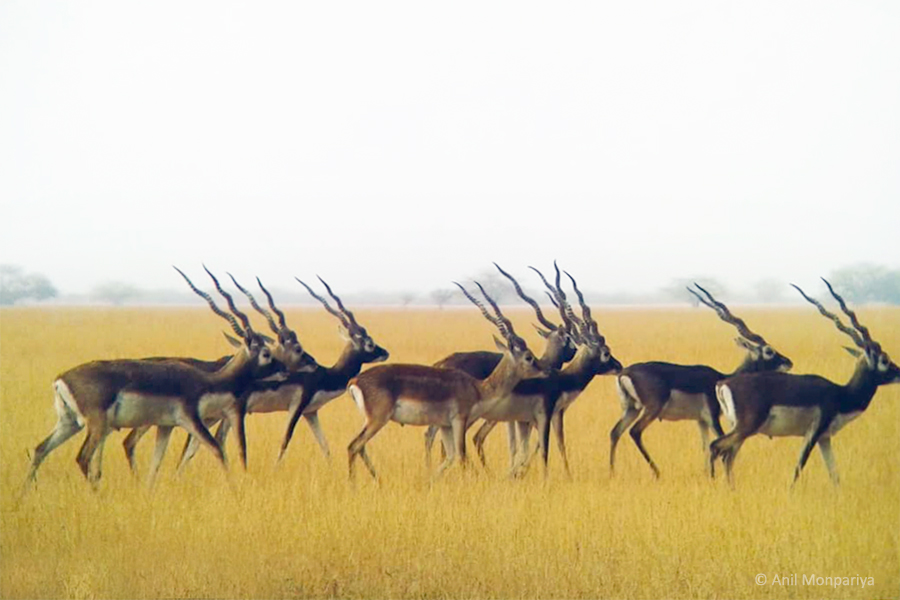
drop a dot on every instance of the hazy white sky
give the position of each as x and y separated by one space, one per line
394 146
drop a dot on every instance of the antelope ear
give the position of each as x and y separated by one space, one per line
345 335
853 351
233 341
500 345
266 338
541 332
748 346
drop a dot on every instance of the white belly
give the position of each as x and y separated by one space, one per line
786 421
213 406
796 421
320 399
273 400
841 421
416 412
682 406
566 400
508 408
135 410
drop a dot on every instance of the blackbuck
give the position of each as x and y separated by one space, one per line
448 398
808 406
302 392
671 392
117 394
559 350
289 351
541 402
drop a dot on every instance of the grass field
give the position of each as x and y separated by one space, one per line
304 531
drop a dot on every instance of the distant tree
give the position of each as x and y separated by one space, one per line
677 289
770 290
441 296
867 282
17 285
495 284
114 292
406 298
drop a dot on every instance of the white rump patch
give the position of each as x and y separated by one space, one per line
628 396
726 402
65 405
357 396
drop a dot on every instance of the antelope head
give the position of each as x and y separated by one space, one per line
354 333
761 353
560 344
251 346
876 361
523 361
288 350
603 360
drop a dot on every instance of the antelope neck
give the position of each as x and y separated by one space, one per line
348 363
862 386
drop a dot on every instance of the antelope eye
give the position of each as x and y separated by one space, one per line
768 352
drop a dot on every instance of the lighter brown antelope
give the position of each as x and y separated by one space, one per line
425 395
559 350
808 406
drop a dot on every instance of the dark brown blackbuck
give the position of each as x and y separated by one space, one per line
672 392
560 349
288 350
808 406
116 394
451 399
541 402
303 395
302 392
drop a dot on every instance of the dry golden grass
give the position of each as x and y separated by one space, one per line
303 531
